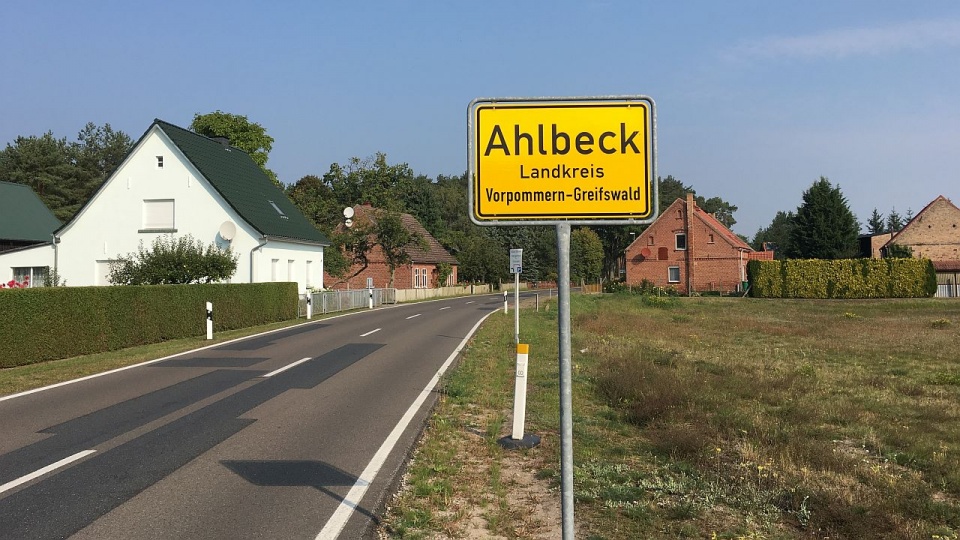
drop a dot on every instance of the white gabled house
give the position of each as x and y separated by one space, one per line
176 182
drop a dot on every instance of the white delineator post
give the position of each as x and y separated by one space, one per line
370 301
520 391
309 305
504 302
209 320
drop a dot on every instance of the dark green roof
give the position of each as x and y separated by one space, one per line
244 185
23 216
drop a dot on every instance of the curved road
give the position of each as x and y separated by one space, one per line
298 433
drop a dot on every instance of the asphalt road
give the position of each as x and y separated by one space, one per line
290 434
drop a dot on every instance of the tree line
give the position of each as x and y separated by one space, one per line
65 174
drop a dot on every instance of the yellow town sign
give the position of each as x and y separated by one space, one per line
577 160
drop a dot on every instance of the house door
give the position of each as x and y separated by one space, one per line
102 273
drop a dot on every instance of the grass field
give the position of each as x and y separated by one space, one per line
707 418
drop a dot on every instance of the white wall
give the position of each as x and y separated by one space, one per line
112 223
37 256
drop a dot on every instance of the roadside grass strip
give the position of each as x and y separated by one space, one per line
706 418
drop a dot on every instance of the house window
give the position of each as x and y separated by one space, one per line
277 208
710 240
673 274
158 215
274 263
308 278
159 162
420 277
34 276
681 241
650 240
290 271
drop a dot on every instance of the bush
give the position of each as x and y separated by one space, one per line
174 261
842 278
49 323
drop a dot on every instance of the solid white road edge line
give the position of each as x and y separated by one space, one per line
412 316
349 503
284 368
370 332
40 472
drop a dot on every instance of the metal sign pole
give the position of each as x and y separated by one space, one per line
566 380
516 309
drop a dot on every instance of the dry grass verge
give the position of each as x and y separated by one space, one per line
711 418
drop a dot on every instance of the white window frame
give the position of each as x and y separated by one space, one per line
676 241
37 274
671 270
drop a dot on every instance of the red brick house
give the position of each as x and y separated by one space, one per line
690 250
421 273
934 233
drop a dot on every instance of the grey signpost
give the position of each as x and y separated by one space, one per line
516 268
562 162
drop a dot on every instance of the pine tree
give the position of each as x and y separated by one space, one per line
894 221
876 225
824 227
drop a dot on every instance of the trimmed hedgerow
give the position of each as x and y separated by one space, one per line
842 278
49 323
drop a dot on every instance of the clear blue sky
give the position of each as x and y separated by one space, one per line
755 99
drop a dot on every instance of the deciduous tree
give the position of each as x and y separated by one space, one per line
248 136
586 255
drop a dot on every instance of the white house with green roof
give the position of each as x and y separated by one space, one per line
24 222
176 182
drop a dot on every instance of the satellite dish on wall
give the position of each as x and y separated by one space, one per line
348 212
228 230
348 223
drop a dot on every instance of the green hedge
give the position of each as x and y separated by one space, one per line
49 323
842 278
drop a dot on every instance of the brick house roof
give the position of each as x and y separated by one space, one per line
721 229
23 216
244 185
946 266
435 253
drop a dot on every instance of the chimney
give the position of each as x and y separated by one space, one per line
691 207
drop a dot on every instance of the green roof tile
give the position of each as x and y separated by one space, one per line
245 187
23 216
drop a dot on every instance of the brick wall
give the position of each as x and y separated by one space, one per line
377 269
710 262
934 233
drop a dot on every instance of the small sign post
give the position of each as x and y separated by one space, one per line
516 267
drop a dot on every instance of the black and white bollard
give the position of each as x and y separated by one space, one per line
309 306
504 302
370 304
209 320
